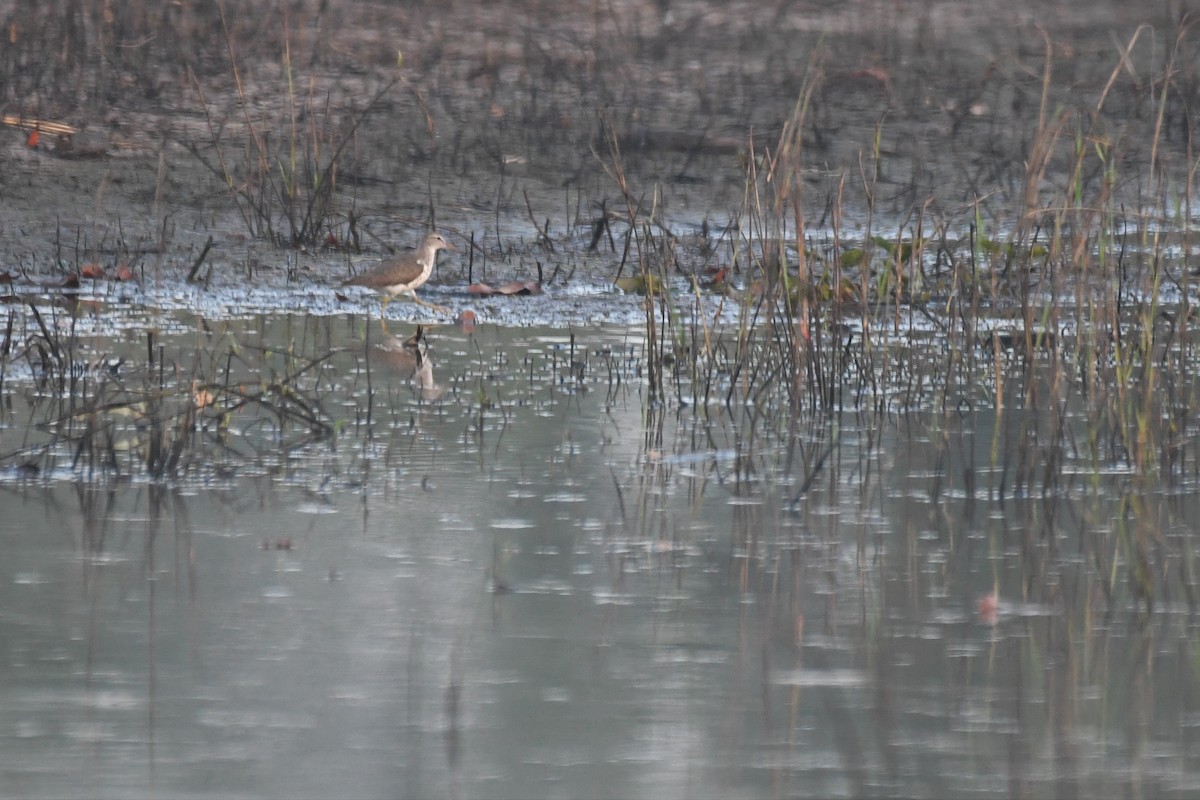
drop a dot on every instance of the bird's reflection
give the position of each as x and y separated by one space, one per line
411 356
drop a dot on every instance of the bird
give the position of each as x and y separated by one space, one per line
403 274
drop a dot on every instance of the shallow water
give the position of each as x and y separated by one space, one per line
248 553
523 580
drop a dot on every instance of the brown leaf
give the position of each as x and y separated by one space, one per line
880 74
93 271
638 284
714 278
520 287
511 288
202 398
124 273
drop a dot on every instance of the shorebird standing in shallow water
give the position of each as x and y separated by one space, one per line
403 274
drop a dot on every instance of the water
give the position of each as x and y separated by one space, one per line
525 584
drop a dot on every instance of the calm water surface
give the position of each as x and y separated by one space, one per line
517 583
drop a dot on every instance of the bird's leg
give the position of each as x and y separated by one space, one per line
434 306
383 304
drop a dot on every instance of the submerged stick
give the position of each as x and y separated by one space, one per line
191 278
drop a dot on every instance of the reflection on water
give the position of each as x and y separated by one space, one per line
516 581
411 356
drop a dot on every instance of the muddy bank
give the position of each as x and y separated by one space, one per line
303 139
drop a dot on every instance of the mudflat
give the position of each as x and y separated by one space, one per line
328 128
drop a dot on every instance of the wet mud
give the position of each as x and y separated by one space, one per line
271 155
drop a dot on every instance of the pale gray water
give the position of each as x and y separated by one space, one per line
661 630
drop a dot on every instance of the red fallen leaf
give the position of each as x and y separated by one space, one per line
124 273
93 271
989 605
32 140
71 281
466 320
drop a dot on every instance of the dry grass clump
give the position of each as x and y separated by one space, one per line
1063 325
